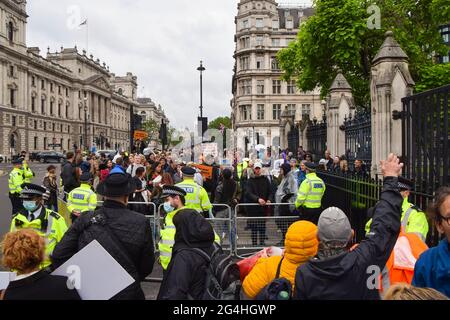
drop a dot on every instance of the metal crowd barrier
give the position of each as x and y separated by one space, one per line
254 233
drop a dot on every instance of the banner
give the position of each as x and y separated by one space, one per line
206 171
140 135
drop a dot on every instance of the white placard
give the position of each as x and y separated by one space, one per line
95 273
5 279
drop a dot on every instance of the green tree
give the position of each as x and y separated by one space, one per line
215 124
337 36
152 128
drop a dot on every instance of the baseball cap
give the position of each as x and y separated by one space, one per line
257 165
334 226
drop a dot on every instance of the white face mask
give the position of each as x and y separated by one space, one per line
30 205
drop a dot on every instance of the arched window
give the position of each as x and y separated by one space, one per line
11 31
120 91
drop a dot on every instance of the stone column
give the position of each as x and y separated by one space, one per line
390 82
339 104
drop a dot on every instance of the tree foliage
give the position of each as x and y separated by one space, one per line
337 36
215 124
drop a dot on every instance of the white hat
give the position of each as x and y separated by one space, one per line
258 165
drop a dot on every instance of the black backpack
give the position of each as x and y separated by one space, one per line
275 287
222 275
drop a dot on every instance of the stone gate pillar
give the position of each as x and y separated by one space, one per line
339 103
390 82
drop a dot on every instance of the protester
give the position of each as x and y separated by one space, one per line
227 194
344 167
403 291
51 183
335 167
329 160
105 170
125 234
302 172
134 165
24 252
322 166
336 272
120 164
186 274
258 192
432 268
286 193
70 173
301 244
360 170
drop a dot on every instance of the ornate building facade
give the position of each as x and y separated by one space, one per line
61 101
265 109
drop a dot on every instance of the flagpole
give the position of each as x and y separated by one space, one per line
87 37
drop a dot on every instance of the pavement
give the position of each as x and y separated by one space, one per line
151 289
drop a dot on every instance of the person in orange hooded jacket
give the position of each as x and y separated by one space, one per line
301 244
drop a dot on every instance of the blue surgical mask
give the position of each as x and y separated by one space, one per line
30 205
168 208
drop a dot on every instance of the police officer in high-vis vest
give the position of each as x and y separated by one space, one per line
28 174
15 181
83 198
34 215
413 218
310 193
196 196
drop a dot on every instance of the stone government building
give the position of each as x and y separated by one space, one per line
265 109
43 99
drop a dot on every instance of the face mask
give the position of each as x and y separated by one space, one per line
30 205
168 208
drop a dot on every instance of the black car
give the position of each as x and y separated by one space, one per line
50 156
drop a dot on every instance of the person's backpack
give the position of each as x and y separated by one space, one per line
277 289
222 276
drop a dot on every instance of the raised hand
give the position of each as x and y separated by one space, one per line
391 167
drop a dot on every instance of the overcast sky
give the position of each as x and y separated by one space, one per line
161 42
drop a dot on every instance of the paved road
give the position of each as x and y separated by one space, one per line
150 289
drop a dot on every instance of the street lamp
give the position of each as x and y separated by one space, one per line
201 69
85 123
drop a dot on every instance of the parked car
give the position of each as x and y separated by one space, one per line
108 153
3 158
50 156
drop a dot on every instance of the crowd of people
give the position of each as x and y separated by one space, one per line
318 261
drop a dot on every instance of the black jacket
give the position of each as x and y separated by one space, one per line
68 176
346 276
41 286
186 274
130 228
258 188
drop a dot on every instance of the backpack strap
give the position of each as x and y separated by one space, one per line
277 275
200 252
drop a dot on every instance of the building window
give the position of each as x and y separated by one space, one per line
246 87
67 112
51 87
120 91
245 24
260 112
276 111
33 81
275 24
289 24
79 94
260 87
11 71
51 108
43 106
45 143
291 87
35 125
259 23
45 126
276 86
276 42
67 92
245 63
35 143
59 109
59 89
12 96
275 64
14 120
11 31
260 62
53 127
291 108
306 110
245 42
33 104
43 84
259 41
246 112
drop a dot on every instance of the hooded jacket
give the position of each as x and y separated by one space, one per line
301 244
186 274
346 276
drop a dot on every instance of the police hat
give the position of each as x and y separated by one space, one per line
188 171
405 184
86 177
17 161
172 191
311 166
116 185
30 191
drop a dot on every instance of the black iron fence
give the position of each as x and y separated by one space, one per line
316 133
358 137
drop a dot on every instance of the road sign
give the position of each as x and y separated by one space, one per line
140 135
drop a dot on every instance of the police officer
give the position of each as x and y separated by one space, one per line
28 174
15 181
34 215
413 218
196 196
310 193
83 198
